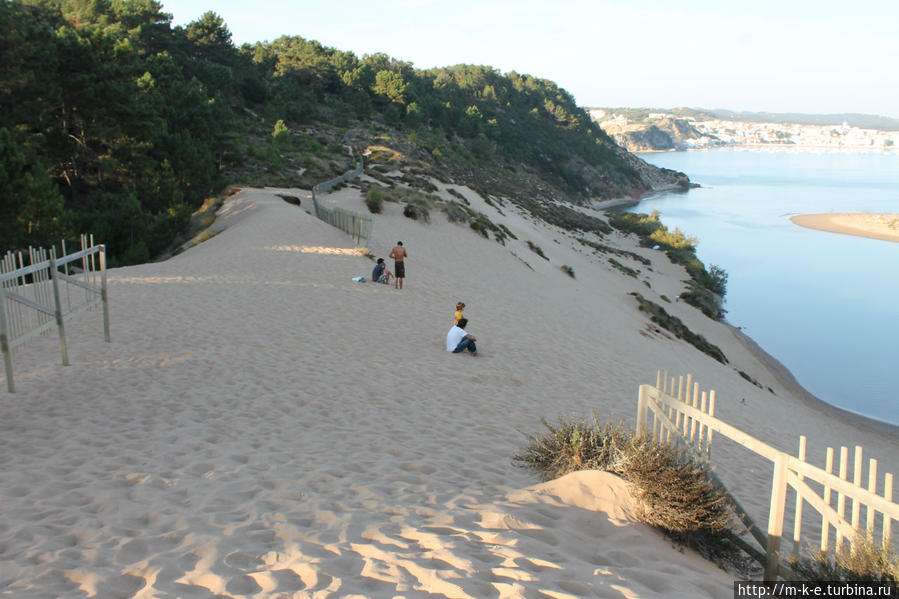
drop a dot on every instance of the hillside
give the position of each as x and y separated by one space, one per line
115 122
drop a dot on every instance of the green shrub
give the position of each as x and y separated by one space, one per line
416 211
708 287
454 212
374 199
567 270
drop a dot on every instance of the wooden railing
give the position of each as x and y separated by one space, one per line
679 413
354 224
32 300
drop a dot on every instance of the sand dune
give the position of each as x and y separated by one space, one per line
263 426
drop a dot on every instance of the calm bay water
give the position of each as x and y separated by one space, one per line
825 305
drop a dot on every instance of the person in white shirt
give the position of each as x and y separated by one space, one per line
458 339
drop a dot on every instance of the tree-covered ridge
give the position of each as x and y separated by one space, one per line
113 121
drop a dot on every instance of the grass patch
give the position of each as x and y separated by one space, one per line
478 221
750 379
660 316
626 270
567 270
607 249
864 562
290 199
536 249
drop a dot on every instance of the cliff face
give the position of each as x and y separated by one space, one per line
658 179
659 136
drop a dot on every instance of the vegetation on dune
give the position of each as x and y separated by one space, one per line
675 492
661 317
114 121
863 561
706 288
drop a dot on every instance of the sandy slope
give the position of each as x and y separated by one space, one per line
263 426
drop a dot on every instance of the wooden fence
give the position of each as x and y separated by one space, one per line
679 413
353 223
36 297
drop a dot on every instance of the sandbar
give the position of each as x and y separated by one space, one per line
871 225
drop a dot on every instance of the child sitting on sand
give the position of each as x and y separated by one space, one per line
380 274
458 315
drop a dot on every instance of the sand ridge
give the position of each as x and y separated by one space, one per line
263 426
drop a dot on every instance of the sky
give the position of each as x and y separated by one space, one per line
802 56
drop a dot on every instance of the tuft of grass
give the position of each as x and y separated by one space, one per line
625 269
863 562
567 270
536 249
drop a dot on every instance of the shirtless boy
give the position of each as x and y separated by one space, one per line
399 255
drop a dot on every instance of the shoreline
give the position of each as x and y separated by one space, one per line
783 376
881 226
796 147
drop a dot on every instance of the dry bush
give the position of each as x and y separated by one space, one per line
572 446
864 562
677 493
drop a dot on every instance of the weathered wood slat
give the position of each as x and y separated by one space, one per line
684 416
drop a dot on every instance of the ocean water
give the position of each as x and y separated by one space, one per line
823 304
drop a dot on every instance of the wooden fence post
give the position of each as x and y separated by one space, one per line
642 408
825 525
103 293
872 486
57 304
887 520
797 518
776 517
841 498
857 481
4 342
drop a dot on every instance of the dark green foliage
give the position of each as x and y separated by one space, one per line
290 199
607 249
117 123
660 316
749 378
374 199
625 269
567 270
537 249
416 211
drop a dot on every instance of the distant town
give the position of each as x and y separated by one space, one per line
641 131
